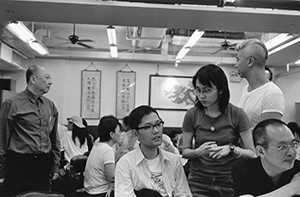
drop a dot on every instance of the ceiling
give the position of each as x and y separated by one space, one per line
152 31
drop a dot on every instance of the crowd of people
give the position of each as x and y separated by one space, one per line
223 149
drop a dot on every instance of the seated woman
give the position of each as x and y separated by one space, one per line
77 140
100 167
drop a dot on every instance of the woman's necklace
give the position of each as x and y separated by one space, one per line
212 128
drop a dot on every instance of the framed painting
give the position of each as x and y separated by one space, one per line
90 94
171 92
125 93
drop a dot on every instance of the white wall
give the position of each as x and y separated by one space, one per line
66 88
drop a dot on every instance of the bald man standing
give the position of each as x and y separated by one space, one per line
29 140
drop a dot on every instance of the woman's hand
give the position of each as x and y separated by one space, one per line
218 152
206 147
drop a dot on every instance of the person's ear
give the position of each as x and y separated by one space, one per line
135 132
251 61
32 79
260 151
111 134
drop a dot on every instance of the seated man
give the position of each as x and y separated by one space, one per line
147 168
275 172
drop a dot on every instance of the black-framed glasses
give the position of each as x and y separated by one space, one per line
206 91
284 148
150 127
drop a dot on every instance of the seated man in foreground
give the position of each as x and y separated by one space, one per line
275 172
148 169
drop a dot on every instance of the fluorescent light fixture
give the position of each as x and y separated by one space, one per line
23 33
112 40
183 51
113 51
194 38
38 48
111 34
230 1
277 40
294 41
190 43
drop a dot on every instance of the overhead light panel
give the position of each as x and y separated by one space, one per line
285 45
113 51
23 33
112 40
277 40
190 43
41 49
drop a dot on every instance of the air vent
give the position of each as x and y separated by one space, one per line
11 59
18 59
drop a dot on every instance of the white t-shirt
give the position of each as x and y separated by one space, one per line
157 182
73 149
95 181
266 98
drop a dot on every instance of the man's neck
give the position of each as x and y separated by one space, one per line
149 152
273 173
34 92
256 81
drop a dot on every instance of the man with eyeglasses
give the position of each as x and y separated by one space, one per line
148 170
261 99
275 172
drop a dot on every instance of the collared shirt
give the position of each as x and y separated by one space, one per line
28 125
133 173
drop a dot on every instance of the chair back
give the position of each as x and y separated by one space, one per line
79 162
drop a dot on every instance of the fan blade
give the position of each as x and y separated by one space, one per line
85 45
217 51
85 40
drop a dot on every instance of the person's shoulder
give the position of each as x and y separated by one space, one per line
246 164
235 109
171 156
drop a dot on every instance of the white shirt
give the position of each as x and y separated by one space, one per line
266 98
95 181
133 173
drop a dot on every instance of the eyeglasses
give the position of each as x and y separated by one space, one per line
158 125
284 148
206 91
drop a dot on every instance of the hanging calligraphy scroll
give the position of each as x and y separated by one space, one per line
90 94
125 93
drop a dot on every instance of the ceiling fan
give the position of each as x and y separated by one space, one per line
225 46
75 39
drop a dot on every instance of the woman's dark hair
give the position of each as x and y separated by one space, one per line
82 134
213 74
106 125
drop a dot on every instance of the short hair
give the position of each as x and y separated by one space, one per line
30 71
136 115
260 136
213 74
106 125
173 133
260 57
293 126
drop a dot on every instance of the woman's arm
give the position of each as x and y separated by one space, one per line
189 152
248 148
